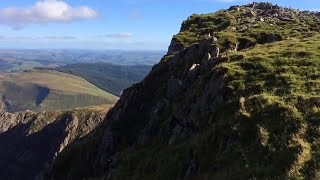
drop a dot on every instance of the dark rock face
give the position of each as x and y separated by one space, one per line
174 87
175 46
30 141
24 155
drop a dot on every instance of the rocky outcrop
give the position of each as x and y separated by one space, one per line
175 46
30 141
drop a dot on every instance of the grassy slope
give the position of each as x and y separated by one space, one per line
110 77
65 91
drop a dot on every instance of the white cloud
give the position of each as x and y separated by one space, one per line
44 11
118 35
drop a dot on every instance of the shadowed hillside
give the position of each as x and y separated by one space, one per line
40 90
30 141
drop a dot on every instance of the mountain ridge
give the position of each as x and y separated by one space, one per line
236 97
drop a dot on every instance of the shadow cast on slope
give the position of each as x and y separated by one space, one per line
23 155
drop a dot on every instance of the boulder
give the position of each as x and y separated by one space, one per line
234 8
269 38
193 67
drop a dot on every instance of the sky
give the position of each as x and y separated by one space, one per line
106 24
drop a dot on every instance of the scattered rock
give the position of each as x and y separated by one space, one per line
194 66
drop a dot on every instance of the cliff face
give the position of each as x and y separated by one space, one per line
30 141
236 97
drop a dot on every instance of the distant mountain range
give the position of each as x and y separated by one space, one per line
22 88
17 60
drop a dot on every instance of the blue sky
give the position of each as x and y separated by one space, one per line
105 24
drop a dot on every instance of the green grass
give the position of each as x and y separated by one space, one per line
54 91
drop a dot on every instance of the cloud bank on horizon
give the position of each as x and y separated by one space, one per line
45 11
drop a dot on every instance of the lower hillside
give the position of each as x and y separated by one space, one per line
43 90
29 141
110 77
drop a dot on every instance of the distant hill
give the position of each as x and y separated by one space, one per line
110 77
49 90
19 60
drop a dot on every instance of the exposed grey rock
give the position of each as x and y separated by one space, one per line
175 46
31 141
210 49
194 67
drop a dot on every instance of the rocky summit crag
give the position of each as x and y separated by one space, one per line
236 97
